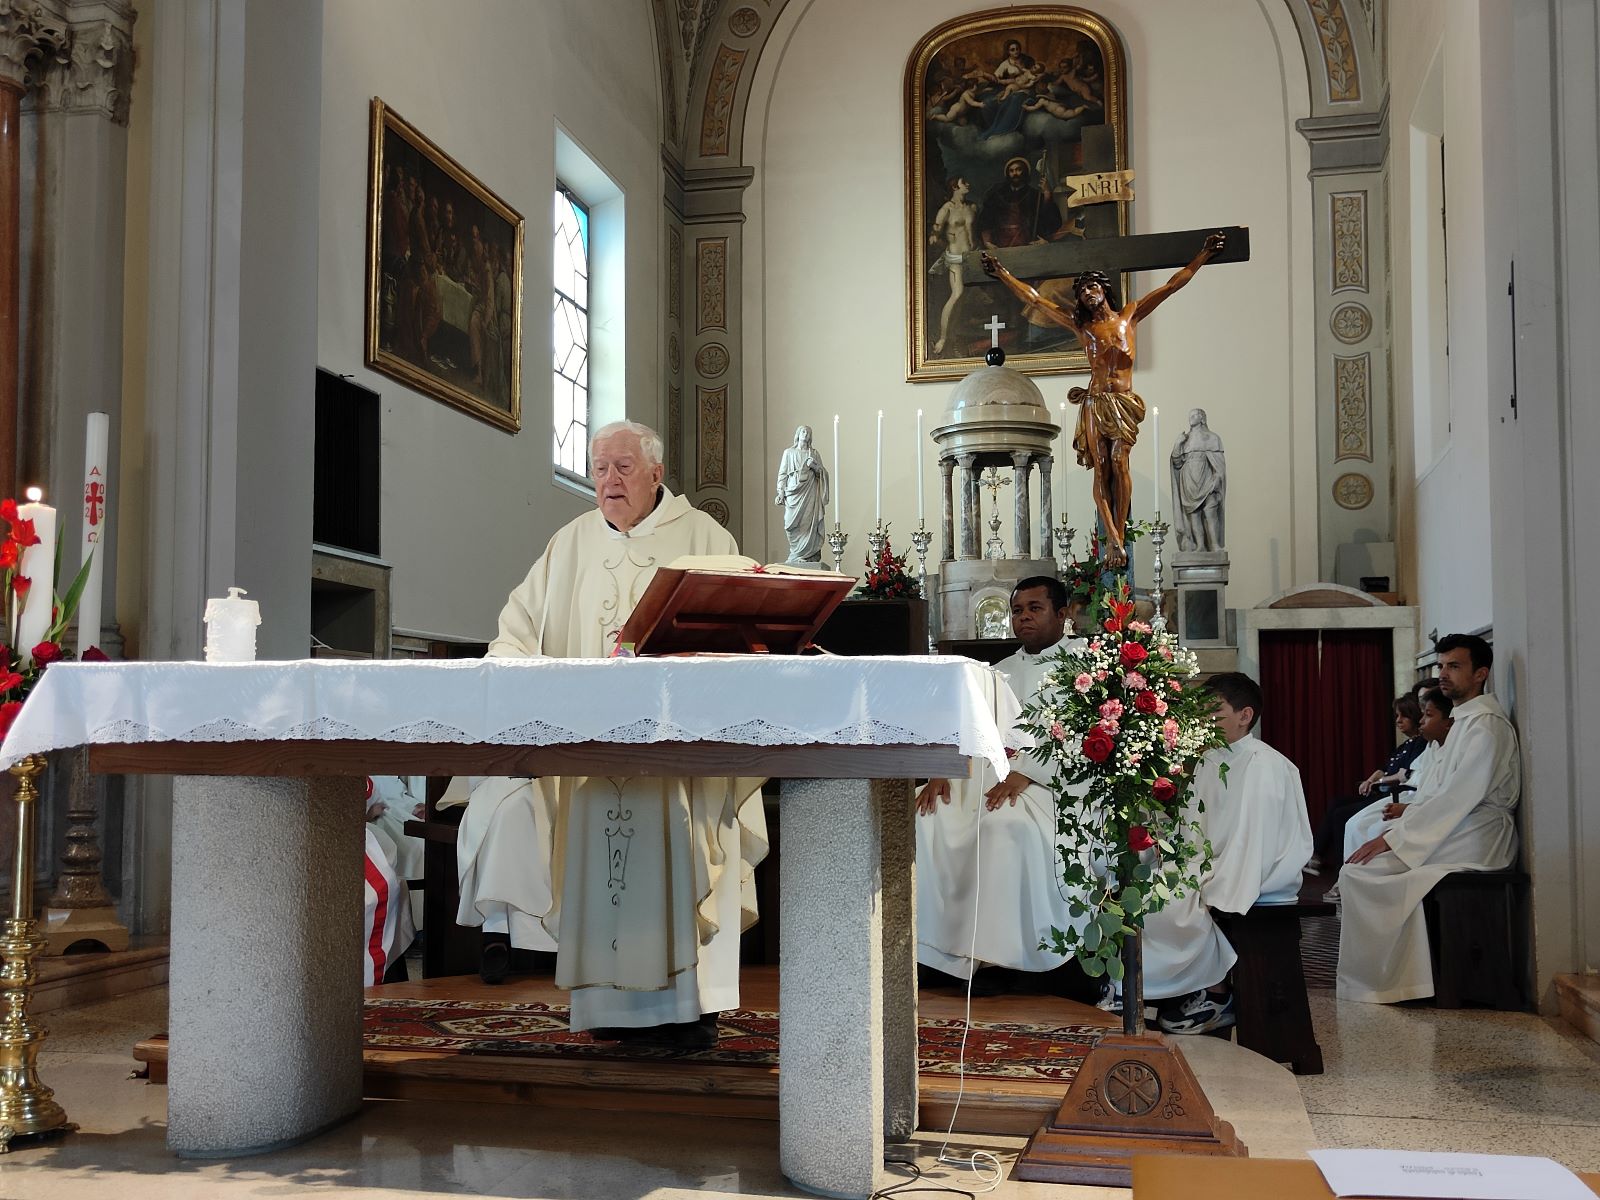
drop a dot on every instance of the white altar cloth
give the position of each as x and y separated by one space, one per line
743 700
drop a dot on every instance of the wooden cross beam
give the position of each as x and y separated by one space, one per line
1137 252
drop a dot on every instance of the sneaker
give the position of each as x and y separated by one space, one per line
1110 999
1313 866
1332 894
1198 1012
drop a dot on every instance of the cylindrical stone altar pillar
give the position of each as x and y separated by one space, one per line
1046 517
1022 544
947 535
969 505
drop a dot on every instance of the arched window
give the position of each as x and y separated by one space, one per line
570 332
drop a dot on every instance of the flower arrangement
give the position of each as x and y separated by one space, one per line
888 578
1088 579
20 668
1124 726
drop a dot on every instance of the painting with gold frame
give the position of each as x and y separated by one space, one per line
444 276
1004 110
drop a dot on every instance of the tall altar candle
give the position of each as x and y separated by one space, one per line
1066 452
94 523
1155 455
836 477
916 459
877 511
39 566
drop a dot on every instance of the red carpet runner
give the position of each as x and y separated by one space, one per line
994 1049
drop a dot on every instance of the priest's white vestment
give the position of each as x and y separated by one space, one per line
643 884
1369 822
1260 837
1463 823
1000 869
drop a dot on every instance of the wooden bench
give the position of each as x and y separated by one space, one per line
1477 931
1271 1012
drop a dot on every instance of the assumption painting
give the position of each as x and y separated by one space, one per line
1007 112
444 276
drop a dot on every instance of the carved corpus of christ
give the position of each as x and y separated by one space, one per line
1109 410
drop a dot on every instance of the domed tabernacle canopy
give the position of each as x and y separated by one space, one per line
996 412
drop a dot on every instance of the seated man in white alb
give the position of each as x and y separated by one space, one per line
649 944
987 854
394 800
386 929
1255 819
1371 821
1460 820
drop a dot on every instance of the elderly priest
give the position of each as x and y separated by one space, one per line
649 938
1460 819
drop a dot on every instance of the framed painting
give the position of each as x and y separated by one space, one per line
1017 145
444 276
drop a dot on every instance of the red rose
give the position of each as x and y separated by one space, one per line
8 714
1145 702
9 680
46 653
1164 790
95 654
1097 745
1133 654
1139 838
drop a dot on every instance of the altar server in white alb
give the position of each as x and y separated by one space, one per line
986 851
1372 820
387 929
1254 815
1460 819
648 938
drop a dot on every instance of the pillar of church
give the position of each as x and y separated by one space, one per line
1046 466
947 537
1022 536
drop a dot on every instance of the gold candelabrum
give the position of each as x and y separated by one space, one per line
27 1108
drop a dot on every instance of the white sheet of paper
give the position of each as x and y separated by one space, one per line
1414 1175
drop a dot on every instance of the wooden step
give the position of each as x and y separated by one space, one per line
1579 998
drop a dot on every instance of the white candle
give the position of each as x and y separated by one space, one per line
1066 451
916 459
1155 456
38 565
877 511
837 478
95 501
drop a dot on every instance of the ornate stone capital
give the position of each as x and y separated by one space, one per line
29 32
90 71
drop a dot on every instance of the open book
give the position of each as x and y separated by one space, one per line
730 604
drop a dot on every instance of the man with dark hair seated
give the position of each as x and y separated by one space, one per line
1460 819
1253 812
988 876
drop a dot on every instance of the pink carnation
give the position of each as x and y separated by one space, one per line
1083 683
1135 759
1100 675
1175 769
1111 709
1169 734
1165 653
1134 681
1161 707
1139 626
1058 731
1110 726
1095 645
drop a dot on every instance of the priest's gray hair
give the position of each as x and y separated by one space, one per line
649 439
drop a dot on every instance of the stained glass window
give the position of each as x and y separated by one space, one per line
570 333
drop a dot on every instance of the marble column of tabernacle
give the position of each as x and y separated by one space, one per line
11 92
947 538
969 504
1021 460
1046 465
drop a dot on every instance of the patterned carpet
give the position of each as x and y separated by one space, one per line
995 1049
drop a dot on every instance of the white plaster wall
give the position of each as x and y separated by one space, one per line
1444 515
825 243
467 507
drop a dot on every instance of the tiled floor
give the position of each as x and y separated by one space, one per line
1397 1076
394 1150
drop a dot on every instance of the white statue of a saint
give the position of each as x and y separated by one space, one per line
803 493
1199 485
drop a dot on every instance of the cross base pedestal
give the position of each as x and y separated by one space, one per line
1133 1095
65 927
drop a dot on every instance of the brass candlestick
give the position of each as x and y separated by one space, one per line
1064 536
1158 539
27 1108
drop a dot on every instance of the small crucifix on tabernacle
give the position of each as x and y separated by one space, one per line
994 327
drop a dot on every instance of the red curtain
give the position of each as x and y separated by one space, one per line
1326 700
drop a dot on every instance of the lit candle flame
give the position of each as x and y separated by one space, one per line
35 495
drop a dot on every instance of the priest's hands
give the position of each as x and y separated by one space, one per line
1369 851
934 791
1392 812
375 810
1006 791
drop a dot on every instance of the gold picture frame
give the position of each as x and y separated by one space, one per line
444 276
1043 86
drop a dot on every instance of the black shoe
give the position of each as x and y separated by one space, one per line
682 1035
494 960
993 981
609 1033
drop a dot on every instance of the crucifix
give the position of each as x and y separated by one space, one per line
1110 410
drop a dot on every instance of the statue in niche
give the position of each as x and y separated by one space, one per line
1109 411
1199 486
803 494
